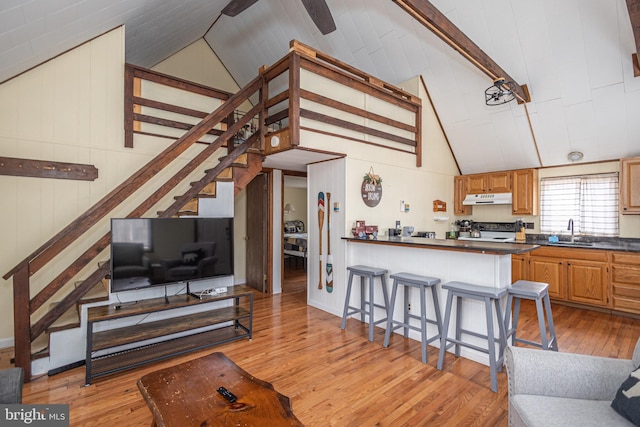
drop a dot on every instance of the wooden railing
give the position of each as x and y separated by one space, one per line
217 129
25 306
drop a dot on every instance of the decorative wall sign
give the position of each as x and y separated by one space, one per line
371 189
439 206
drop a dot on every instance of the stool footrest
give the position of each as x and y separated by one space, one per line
398 325
535 344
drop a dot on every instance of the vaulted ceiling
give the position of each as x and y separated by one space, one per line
573 55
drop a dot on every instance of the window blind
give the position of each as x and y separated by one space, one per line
590 200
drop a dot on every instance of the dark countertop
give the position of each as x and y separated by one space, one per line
450 244
612 244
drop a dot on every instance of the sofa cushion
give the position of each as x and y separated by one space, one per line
11 380
192 257
550 411
627 400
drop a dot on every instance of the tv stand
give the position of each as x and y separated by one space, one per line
235 322
191 293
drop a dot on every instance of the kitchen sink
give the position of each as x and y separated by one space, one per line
579 244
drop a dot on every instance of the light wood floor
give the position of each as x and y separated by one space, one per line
339 378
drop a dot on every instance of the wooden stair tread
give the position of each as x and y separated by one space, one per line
70 319
100 292
40 347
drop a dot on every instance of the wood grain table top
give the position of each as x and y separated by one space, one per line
186 395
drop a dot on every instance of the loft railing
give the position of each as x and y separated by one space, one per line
295 106
305 90
317 93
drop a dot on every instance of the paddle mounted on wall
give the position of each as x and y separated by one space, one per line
317 10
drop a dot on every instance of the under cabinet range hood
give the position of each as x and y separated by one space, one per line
488 199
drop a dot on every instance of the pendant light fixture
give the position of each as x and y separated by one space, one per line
500 93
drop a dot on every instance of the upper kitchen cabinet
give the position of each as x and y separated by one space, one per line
630 186
525 192
494 182
460 192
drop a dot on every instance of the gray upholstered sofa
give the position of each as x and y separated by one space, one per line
11 380
548 388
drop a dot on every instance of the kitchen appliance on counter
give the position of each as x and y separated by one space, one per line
426 234
394 232
407 230
501 232
464 227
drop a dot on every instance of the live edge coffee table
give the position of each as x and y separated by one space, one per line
187 395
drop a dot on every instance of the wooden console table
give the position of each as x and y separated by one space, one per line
186 395
126 347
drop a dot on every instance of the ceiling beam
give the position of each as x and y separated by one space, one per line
427 14
633 6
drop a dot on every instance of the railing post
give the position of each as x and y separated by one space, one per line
21 320
294 98
128 106
262 115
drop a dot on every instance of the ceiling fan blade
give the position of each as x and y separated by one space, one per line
236 6
320 14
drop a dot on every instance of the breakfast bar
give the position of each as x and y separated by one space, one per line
479 263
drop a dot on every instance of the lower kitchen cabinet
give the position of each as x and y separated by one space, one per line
519 267
587 282
574 275
625 281
549 270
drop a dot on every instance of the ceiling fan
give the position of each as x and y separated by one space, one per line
317 10
500 92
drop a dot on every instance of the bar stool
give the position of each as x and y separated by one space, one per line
489 295
365 273
539 292
409 280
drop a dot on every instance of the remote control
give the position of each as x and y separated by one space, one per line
227 394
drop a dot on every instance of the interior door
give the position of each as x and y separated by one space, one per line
257 217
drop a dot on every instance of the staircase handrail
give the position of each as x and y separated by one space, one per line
80 225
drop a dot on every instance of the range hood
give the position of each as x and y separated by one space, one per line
488 199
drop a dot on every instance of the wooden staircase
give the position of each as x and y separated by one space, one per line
64 284
56 307
241 172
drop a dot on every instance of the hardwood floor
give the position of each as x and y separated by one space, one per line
339 378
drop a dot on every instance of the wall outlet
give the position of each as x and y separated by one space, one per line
409 306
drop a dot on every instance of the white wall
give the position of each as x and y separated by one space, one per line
401 180
69 110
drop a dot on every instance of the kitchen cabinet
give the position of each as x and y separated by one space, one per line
549 270
574 275
493 182
625 281
519 267
630 186
459 193
587 282
525 192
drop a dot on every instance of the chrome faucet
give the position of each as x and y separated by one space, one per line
570 227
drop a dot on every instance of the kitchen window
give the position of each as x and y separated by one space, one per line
590 200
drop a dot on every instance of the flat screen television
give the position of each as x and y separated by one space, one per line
159 251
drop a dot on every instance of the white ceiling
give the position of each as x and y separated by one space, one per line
574 55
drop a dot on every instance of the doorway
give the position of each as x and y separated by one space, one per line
294 272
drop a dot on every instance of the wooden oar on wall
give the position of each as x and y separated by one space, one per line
329 263
320 224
